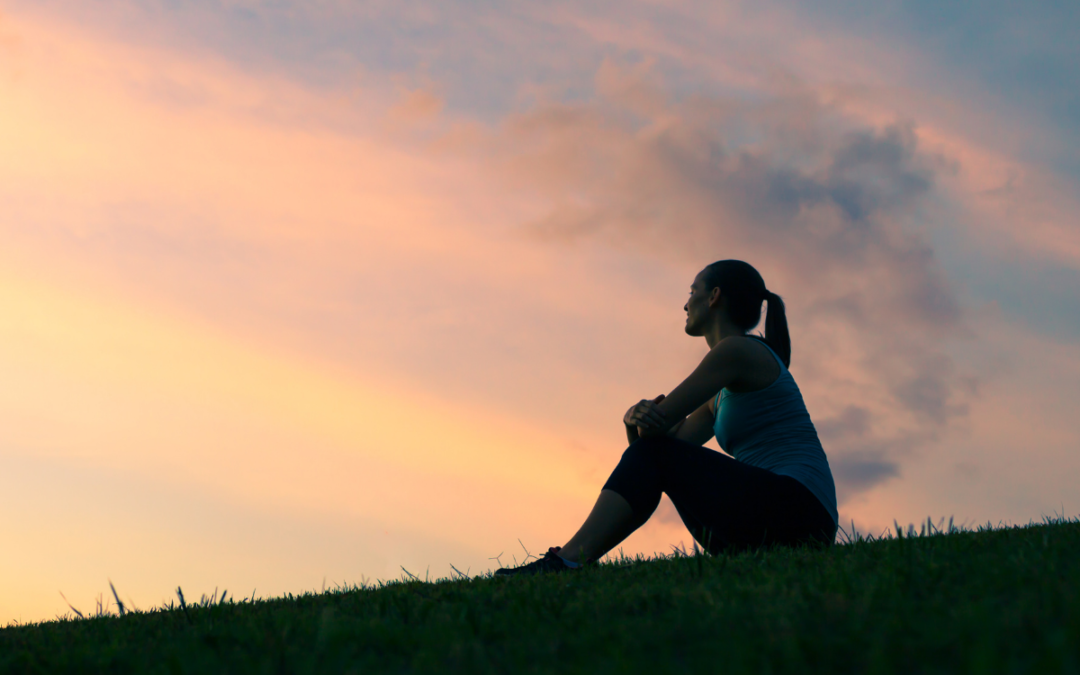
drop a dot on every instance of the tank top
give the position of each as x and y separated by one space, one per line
771 429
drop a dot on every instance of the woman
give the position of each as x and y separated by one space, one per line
778 489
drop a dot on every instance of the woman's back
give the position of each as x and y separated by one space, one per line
770 428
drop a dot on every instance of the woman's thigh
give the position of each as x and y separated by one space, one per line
728 505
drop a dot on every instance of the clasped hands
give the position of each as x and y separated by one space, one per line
646 417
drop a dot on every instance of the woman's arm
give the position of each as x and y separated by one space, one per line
722 366
697 428
643 415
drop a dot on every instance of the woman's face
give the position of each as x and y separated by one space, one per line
697 307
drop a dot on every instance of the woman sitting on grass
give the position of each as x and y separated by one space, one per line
777 490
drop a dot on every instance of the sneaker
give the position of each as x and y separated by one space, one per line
551 562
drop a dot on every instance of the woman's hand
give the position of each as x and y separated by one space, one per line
644 419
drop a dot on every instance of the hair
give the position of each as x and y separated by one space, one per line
745 290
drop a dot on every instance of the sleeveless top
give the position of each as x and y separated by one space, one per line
771 429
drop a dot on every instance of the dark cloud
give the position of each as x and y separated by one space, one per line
875 172
858 459
868 174
857 474
853 422
929 394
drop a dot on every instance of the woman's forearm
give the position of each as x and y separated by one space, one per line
674 431
633 433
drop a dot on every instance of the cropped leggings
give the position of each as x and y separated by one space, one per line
727 505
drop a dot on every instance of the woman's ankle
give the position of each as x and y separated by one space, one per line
569 563
571 554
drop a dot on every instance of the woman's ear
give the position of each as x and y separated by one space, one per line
714 297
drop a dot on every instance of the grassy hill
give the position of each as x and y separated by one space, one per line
987 601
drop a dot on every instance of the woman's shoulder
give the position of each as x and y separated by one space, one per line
743 344
759 366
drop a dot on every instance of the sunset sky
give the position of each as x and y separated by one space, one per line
296 294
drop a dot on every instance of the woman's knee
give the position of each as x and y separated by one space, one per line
662 451
642 452
638 450
649 444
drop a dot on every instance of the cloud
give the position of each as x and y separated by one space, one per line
857 474
829 209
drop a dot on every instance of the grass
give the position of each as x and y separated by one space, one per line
992 600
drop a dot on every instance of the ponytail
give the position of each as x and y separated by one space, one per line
745 291
776 330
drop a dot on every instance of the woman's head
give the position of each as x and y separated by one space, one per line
735 289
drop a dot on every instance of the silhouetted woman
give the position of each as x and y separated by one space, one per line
778 489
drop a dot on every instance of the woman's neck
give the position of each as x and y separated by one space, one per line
719 330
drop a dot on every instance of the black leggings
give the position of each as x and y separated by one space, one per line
727 505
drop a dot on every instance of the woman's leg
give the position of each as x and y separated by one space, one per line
726 505
730 506
610 521
627 500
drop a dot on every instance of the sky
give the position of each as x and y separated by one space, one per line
296 295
